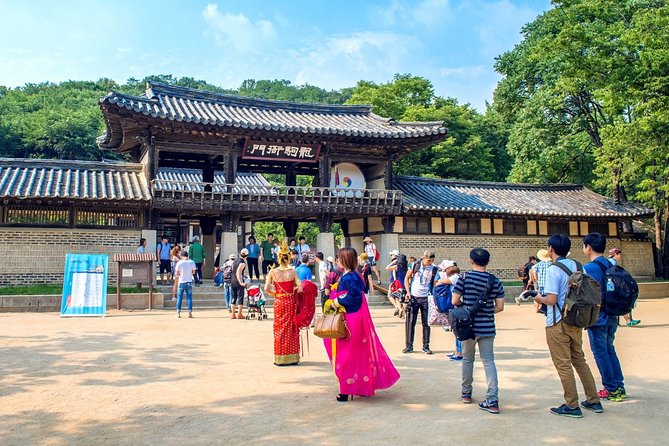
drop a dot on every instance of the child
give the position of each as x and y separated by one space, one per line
450 276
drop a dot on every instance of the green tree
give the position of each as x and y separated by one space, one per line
584 96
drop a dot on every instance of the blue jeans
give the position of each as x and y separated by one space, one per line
227 292
487 355
186 287
601 343
458 346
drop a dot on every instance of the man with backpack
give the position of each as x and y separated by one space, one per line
603 333
419 282
478 284
227 270
565 341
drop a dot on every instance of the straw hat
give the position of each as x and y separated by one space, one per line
543 255
367 239
330 259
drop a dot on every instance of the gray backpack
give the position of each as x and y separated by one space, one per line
584 298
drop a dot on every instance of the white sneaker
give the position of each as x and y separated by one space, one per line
518 301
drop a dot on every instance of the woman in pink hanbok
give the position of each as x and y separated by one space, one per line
359 360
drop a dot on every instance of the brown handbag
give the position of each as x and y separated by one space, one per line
331 326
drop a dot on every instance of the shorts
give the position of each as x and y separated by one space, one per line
372 262
165 266
237 295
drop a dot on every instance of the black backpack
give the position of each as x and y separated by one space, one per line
461 319
622 298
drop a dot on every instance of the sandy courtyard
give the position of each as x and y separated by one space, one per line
146 378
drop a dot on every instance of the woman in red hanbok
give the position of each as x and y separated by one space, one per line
283 284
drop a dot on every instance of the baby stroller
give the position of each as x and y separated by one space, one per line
256 300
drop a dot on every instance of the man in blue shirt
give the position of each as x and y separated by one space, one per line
303 271
565 342
603 333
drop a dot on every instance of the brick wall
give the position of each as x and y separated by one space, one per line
508 253
37 255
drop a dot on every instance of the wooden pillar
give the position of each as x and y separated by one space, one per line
389 173
324 167
231 161
290 226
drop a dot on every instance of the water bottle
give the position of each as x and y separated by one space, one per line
610 286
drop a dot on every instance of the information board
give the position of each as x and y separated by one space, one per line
85 285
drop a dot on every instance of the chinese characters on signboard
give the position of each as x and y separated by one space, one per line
266 150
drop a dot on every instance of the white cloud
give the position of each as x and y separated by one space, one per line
463 71
425 13
340 61
499 26
236 31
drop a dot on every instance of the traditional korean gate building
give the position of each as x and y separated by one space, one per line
197 157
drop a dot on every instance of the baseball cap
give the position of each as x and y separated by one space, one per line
244 252
445 264
232 257
394 252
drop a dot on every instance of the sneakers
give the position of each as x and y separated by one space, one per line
518 301
603 394
407 350
455 357
489 406
617 396
595 407
466 398
427 350
567 411
633 322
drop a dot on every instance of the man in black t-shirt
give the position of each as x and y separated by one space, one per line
467 290
239 282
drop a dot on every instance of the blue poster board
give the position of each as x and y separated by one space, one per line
85 285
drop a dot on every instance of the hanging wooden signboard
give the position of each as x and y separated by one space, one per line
281 151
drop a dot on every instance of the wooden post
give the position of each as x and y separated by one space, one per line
151 269
118 286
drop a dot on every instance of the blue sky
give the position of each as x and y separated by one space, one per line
330 44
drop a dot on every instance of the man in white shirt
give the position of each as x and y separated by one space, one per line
565 342
302 248
184 272
419 282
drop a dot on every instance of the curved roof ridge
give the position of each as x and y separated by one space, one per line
106 164
491 184
157 88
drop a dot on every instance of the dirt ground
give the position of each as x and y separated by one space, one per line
146 378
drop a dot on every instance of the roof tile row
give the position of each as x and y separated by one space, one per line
203 107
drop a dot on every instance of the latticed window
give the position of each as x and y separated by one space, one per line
602 228
515 227
34 215
468 226
416 225
558 227
119 219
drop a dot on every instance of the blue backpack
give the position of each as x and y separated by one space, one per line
443 298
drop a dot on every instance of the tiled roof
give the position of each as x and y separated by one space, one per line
425 195
134 257
191 179
72 180
223 110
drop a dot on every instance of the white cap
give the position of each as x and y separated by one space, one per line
244 252
394 252
445 264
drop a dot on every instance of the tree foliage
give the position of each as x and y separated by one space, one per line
584 96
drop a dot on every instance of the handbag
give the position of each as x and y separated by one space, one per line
331 326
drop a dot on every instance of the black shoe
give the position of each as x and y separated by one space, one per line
567 411
408 350
427 350
595 407
343 397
